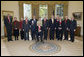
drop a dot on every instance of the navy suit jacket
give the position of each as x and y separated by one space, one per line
66 24
26 27
51 25
45 25
62 25
33 26
56 23
35 21
8 24
73 24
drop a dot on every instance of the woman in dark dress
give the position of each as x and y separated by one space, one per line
16 28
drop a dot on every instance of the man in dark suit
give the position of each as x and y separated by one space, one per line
26 28
21 29
45 27
51 27
39 30
60 29
33 25
73 25
8 24
56 25
66 27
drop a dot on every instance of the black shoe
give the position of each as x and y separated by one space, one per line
41 40
72 41
11 40
8 40
65 39
52 39
21 38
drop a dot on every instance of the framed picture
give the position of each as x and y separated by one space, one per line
77 15
5 13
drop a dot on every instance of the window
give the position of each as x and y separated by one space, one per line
27 11
43 11
59 9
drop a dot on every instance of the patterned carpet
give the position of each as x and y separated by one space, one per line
45 48
49 48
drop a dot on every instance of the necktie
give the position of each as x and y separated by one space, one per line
60 22
52 20
65 21
45 21
9 20
39 28
26 21
15 23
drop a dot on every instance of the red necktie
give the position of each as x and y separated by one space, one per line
39 27
45 20
8 19
15 23
65 21
60 22
26 21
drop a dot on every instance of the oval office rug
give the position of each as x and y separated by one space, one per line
45 48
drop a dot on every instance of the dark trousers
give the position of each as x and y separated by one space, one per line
51 34
9 38
72 35
22 34
41 36
33 34
45 34
16 37
16 33
66 34
26 35
60 34
57 34
9 35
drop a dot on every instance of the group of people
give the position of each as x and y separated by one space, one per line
54 25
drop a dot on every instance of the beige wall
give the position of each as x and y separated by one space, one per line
76 6
9 6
